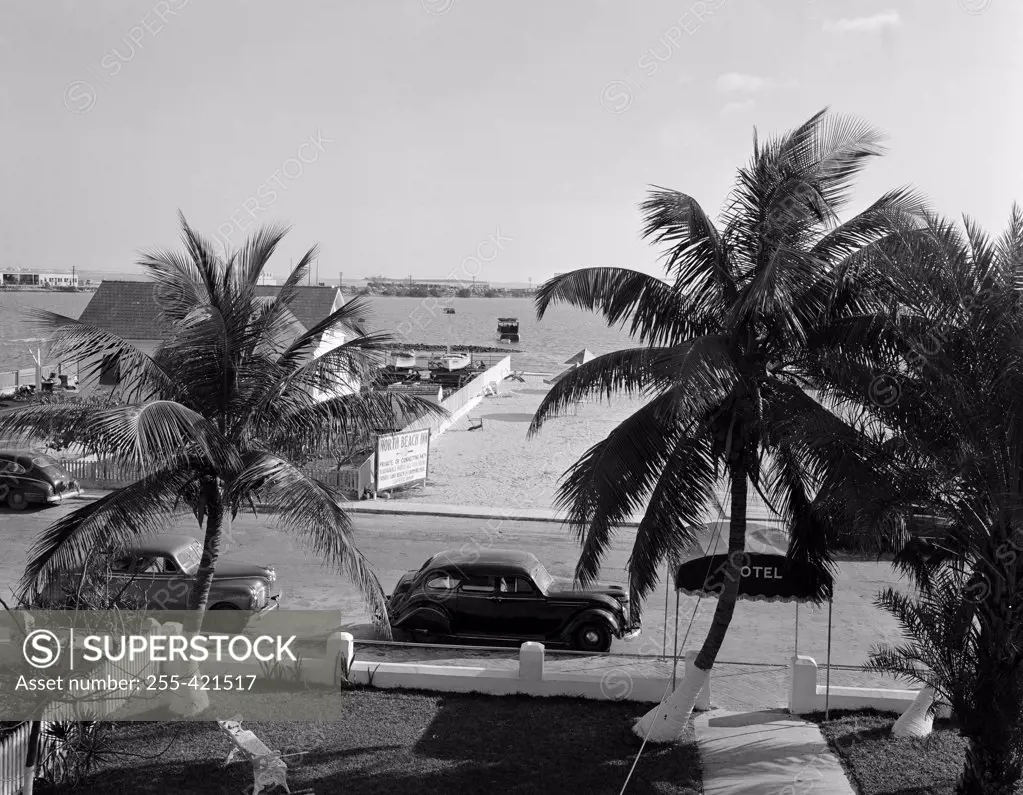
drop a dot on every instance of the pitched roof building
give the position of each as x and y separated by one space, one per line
130 309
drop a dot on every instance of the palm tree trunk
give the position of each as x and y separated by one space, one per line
993 763
988 772
31 758
189 701
666 722
200 593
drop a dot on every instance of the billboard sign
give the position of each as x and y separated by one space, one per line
402 458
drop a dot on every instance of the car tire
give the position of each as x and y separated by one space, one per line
592 636
16 501
426 636
232 624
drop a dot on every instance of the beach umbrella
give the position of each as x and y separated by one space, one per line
555 378
583 356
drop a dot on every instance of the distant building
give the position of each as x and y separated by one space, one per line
20 278
129 309
453 283
267 279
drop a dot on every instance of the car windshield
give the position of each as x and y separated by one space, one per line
542 578
189 558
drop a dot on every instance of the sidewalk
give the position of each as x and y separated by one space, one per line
766 753
403 508
397 507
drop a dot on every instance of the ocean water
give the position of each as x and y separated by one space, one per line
544 344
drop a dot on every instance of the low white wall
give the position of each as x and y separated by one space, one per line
806 696
463 401
455 679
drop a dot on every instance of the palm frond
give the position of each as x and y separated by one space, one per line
309 510
703 364
654 312
114 520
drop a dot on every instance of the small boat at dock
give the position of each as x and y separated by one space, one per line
450 362
404 361
449 311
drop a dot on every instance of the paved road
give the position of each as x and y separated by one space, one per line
760 632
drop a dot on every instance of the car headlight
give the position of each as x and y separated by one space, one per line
272 575
258 595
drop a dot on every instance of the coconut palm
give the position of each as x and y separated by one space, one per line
728 346
959 416
212 419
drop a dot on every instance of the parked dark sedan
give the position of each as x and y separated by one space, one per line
507 595
28 478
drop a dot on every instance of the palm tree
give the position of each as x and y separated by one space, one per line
959 417
729 344
210 421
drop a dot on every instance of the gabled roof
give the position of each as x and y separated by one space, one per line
130 309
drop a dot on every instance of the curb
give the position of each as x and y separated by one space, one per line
425 509
463 512
451 512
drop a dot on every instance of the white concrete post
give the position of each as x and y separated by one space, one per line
802 685
703 699
185 701
340 655
531 661
917 720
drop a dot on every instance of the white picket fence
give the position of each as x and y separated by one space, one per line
13 748
14 744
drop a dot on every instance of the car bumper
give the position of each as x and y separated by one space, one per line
57 499
632 633
272 604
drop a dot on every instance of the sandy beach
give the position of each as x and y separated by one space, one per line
497 466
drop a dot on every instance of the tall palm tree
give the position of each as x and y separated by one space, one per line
212 419
959 417
729 344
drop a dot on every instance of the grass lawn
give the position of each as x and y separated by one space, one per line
880 764
396 742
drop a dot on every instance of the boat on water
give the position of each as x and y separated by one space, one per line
449 311
508 329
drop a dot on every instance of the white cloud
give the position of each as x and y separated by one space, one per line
733 81
738 107
886 19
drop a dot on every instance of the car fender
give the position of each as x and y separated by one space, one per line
592 614
425 614
232 591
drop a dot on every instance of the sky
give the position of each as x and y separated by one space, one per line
459 138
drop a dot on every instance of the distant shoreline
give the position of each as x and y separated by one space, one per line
465 348
33 289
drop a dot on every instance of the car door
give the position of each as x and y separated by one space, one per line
166 587
476 605
131 578
9 472
521 609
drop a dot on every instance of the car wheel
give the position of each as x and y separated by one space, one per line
593 636
17 501
232 624
425 636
